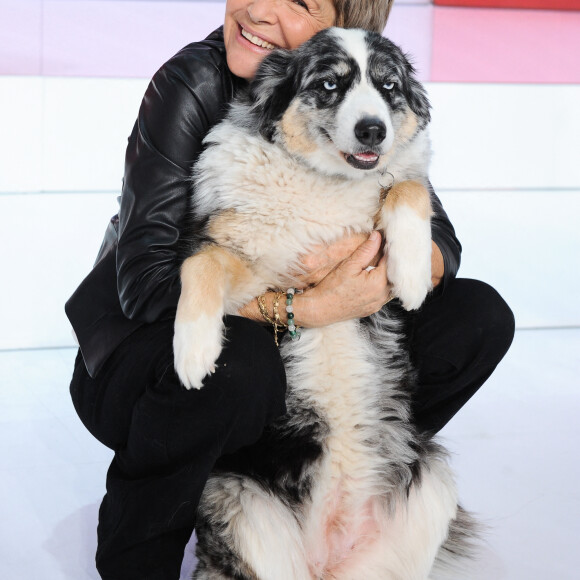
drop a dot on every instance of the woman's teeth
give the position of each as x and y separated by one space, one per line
257 41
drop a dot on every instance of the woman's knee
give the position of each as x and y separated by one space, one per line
486 314
460 338
467 324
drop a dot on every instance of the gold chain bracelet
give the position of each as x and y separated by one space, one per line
276 321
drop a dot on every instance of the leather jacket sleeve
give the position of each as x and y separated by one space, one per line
443 234
186 97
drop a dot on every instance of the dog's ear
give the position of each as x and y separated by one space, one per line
272 90
417 97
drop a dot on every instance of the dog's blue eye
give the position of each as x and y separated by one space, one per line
388 86
329 85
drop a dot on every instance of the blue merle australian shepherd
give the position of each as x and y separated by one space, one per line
342 487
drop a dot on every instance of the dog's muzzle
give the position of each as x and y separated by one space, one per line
370 132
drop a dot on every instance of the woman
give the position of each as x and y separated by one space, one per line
166 439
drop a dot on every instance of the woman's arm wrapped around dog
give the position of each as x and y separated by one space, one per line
339 284
186 97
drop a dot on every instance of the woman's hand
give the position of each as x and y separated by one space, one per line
337 284
326 257
344 286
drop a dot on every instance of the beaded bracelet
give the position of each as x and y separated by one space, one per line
275 319
292 328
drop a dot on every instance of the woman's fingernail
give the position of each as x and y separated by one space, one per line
374 236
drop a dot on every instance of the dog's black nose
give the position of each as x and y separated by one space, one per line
370 131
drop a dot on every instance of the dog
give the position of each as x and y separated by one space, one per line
325 142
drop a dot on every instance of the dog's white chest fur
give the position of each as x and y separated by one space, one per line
279 208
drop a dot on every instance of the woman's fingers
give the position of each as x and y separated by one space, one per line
325 257
351 290
365 255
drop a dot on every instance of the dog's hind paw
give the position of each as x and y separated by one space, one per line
196 347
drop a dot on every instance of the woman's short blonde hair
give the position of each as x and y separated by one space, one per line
367 14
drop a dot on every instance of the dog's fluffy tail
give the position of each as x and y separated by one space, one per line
461 549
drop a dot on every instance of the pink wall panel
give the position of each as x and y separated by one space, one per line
509 46
534 4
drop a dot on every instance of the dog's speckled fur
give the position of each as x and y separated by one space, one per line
342 487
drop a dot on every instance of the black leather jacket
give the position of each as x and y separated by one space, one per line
135 279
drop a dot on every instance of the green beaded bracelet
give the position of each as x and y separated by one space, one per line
293 330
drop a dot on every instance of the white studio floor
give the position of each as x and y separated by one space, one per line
514 449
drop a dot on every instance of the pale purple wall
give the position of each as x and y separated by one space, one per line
132 38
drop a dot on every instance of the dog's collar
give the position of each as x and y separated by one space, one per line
384 191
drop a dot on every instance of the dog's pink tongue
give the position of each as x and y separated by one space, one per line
366 156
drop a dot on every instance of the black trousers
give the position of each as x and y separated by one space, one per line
166 439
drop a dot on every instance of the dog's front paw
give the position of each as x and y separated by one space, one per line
196 347
410 285
409 269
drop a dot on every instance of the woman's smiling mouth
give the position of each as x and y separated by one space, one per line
255 40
